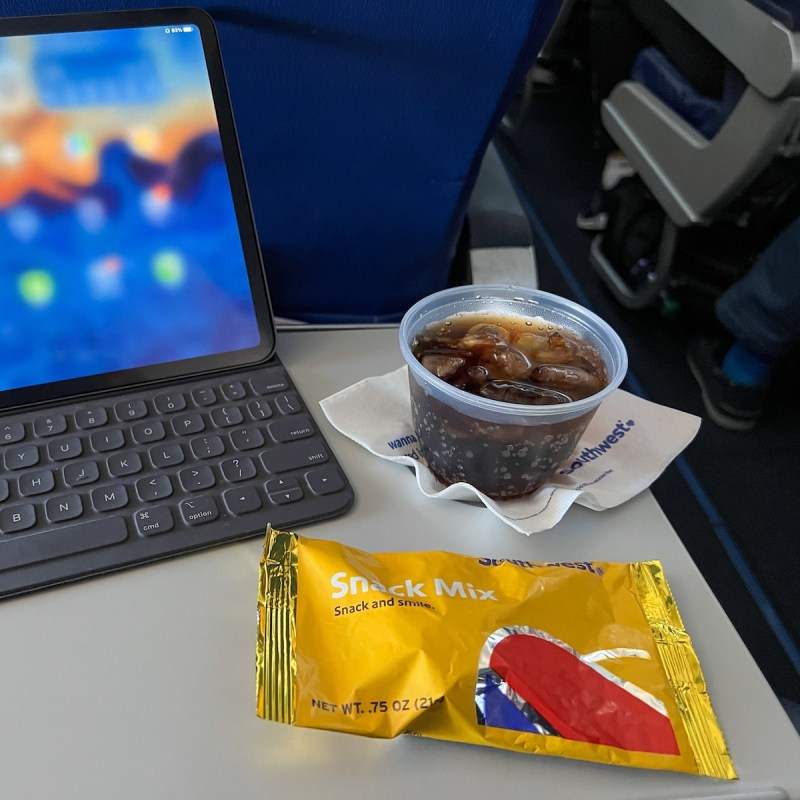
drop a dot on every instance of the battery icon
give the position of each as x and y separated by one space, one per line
187 28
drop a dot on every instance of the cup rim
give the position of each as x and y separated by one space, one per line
597 324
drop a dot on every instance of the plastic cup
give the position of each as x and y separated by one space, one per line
503 449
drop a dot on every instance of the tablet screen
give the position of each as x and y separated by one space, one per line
124 253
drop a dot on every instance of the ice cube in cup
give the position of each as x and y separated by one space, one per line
504 381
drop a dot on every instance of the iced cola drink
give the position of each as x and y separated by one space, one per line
514 360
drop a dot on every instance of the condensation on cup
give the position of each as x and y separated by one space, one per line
504 380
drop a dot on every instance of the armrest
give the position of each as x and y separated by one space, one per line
749 32
691 176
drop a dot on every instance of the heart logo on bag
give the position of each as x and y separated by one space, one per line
531 681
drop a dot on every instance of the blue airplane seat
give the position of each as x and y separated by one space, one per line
362 127
706 114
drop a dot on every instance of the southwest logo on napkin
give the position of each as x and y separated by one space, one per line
627 445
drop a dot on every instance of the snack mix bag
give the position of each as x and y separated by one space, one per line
587 660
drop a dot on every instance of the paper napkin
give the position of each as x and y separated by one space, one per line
627 445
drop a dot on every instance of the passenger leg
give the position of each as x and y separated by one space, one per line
761 312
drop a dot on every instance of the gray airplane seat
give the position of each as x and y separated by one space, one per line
716 178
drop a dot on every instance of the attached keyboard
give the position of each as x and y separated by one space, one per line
106 483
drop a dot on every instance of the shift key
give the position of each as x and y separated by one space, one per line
293 456
22 549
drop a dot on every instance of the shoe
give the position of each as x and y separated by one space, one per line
732 406
615 169
594 215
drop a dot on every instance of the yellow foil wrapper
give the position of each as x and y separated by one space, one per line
588 660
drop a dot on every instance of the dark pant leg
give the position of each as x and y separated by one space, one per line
615 38
762 309
689 52
620 29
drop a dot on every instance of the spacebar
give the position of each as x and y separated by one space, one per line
22 550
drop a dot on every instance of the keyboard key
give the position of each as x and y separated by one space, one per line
69 540
147 432
130 409
60 509
11 432
244 500
204 397
259 409
3 489
193 479
269 381
121 464
326 480
287 430
33 483
226 416
207 447
103 441
167 403
290 495
155 488
153 520
247 438
22 457
293 456
276 485
17 518
64 449
288 403
188 423
167 455
50 425
109 498
91 418
199 510
238 469
234 390
80 473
